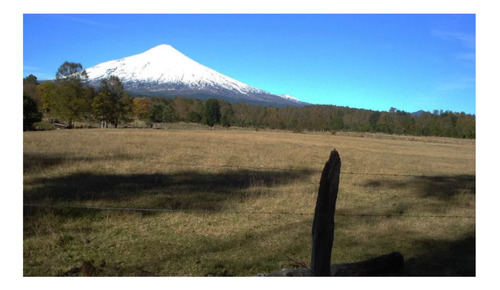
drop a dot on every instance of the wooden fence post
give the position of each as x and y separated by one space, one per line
322 236
324 224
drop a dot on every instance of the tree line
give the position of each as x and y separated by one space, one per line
71 98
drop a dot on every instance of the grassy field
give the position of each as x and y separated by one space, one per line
240 202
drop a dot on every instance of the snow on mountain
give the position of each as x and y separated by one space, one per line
164 70
291 98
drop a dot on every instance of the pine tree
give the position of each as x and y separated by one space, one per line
212 112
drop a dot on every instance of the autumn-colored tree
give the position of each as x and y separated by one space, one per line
142 108
181 105
46 91
272 117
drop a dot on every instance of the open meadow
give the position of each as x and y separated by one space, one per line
189 201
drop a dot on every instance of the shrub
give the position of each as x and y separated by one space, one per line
31 114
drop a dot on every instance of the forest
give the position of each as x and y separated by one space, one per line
69 98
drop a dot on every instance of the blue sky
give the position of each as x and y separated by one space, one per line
372 61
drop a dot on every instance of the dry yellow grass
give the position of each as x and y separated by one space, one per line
241 201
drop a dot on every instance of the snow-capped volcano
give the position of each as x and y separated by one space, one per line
164 71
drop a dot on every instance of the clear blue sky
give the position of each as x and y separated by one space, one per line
373 61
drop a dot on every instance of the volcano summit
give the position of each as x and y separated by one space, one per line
164 71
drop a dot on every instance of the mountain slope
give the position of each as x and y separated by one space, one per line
164 71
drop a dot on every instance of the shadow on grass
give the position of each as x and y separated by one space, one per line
440 187
33 162
184 190
425 196
446 187
443 258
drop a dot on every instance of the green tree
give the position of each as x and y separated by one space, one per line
227 113
70 103
71 97
31 114
466 126
103 107
30 84
194 117
385 122
126 108
157 112
89 94
31 79
212 112
112 104
71 70
373 119
336 124
168 114
447 123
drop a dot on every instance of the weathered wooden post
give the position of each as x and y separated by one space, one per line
322 236
324 224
